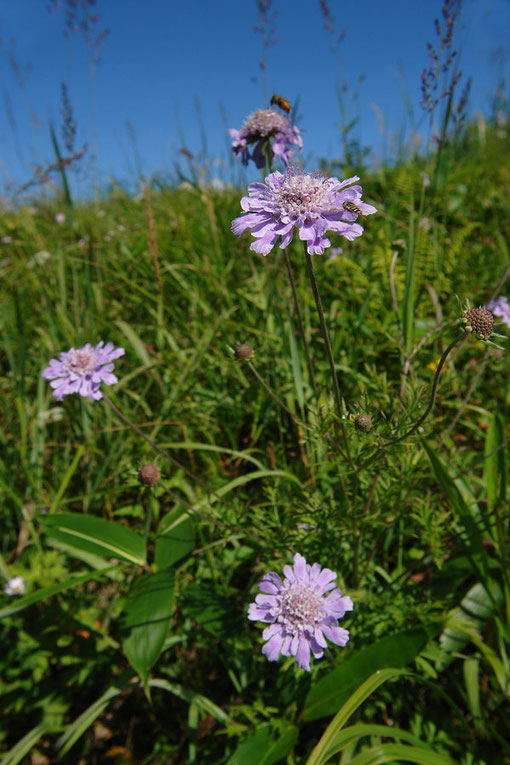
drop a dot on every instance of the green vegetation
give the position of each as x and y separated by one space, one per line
131 643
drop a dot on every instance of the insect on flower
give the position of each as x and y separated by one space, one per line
351 207
281 102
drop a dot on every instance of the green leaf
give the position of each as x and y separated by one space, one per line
348 736
494 466
146 619
398 650
174 541
393 753
96 535
24 745
202 702
320 752
47 592
475 608
85 720
262 748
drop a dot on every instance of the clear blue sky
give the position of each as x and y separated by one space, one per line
162 57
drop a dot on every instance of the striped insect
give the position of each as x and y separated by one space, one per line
351 207
281 102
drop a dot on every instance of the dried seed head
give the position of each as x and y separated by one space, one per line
244 351
363 422
479 321
148 475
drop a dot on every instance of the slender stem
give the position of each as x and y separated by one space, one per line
298 419
300 322
427 410
161 451
329 350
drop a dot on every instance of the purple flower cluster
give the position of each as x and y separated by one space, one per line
83 370
501 308
309 202
299 615
258 129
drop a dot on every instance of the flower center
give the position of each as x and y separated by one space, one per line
81 362
302 194
263 123
300 607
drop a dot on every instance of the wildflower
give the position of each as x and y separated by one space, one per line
300 617
54 414
363 422
60 218
6 239
311 203
82 370
335 252
258 129
15 586
501 308
479 321
39 258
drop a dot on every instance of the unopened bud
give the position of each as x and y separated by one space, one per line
148 475
244 351
363 422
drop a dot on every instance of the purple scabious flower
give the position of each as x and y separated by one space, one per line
500 307
82 370
310 202
257 129
300 617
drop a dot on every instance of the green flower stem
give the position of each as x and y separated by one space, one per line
298 419
325 337
300 322
427 411
161 451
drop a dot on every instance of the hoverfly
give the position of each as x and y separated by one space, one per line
351 207
281 102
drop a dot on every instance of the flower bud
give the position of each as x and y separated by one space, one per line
244 351
148 475
363 422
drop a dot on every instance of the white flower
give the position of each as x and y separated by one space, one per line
15 586
39 258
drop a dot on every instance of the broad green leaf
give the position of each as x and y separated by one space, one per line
494 466
475 608
47 592
263 748
398 650
24 745
202 702
96 535
319 754
471 671
146 619
393 753
174 541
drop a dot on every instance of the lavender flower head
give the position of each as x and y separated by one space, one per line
310 202
500 307
300 617
83 370
257 129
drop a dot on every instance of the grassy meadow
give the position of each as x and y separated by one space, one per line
131 643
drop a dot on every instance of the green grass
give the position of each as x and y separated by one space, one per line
410 534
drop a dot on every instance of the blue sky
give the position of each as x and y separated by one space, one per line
162 58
